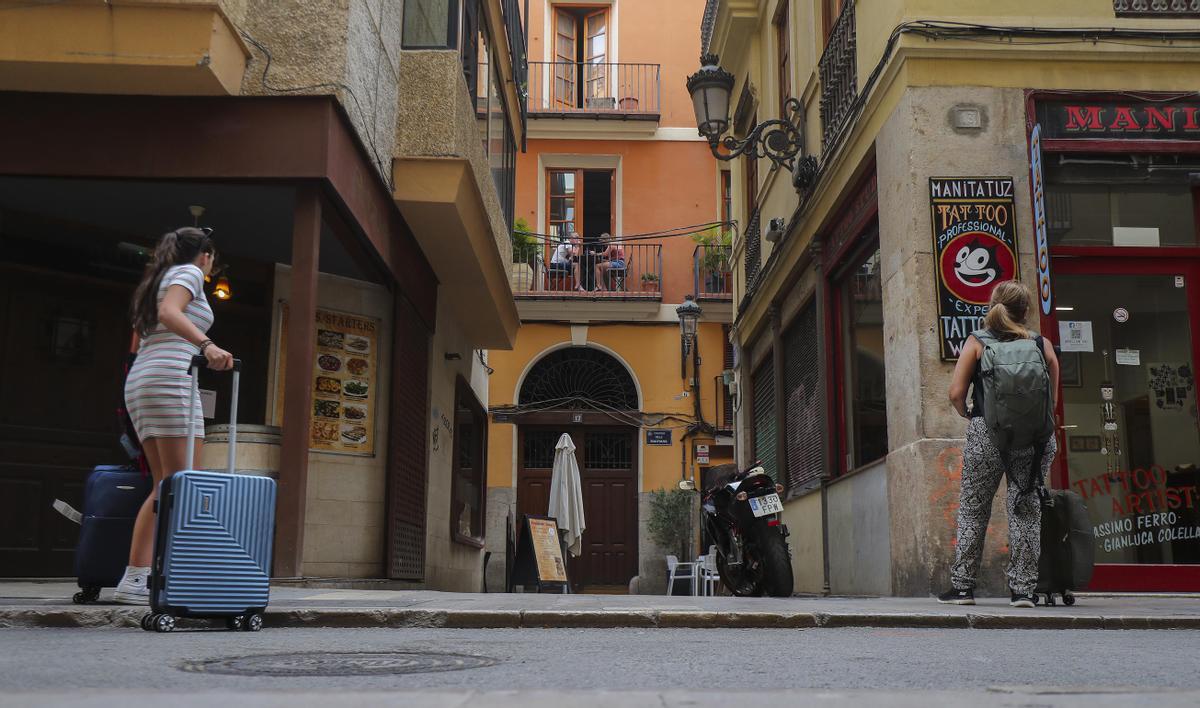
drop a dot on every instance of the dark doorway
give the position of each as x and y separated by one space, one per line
597 205
608 472
571 386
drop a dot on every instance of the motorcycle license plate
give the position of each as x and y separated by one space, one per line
766 504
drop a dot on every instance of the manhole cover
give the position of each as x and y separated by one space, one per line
359 663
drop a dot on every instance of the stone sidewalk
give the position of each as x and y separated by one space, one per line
48 604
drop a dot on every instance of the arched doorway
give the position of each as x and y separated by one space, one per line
591 396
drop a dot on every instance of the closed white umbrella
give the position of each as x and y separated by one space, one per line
566 495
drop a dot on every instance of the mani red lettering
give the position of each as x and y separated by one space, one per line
1124 119
1084 118
1190 122
1160 118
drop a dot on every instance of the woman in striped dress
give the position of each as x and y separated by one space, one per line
171 315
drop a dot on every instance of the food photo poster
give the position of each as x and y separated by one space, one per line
344 382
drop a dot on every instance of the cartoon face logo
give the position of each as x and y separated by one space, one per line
974 264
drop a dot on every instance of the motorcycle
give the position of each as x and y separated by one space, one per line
742 516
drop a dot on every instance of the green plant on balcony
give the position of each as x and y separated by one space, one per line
649 281
524 242
715 243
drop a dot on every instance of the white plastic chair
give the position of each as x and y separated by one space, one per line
710 579
683 571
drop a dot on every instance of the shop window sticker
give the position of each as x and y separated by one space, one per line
1171 385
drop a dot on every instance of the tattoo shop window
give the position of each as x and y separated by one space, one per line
860 293
468 487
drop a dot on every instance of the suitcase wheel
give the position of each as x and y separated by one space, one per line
163 623
86 595
234 624
148 621
1050 600
1068 598
253 623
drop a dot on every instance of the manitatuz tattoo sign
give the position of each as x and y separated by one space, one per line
974 247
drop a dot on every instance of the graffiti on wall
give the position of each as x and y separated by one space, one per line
944 498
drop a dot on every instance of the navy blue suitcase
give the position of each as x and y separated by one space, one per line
112 496
213 541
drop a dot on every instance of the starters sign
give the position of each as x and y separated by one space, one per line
974 247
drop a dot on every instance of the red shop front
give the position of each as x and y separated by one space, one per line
1118 196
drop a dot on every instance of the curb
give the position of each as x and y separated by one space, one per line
98 617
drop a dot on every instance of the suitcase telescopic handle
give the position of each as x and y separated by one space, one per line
200 360
194 372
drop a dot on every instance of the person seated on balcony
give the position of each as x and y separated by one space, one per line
611 258
578 254
560 262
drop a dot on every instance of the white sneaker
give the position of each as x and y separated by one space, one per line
133 588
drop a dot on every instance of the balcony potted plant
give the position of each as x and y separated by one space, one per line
714 259
525 272
649 282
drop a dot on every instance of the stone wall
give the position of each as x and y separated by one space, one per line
348 49
925 434
344 522
436 119
449 565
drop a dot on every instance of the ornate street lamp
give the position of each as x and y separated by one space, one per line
689 317
780 139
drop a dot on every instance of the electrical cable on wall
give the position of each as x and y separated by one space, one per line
488 369
368 128
573 403
647 236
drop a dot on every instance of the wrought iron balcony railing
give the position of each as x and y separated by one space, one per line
1157 8
839 76
572 89
535 273
711 272
516 48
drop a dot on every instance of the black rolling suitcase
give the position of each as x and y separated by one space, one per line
112 497
1068 546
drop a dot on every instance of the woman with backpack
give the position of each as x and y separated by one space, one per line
1013 374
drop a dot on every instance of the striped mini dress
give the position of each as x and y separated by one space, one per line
159 386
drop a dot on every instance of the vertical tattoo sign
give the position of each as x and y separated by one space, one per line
974 247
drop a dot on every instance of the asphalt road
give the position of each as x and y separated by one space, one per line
100 663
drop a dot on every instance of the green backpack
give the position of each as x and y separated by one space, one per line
1016 395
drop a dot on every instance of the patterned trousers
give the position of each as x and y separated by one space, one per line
982 470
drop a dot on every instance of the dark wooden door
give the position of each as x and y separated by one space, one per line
65 338
608 472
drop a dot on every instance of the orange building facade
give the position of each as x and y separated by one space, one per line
612 149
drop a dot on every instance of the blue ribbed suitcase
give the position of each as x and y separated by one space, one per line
212 546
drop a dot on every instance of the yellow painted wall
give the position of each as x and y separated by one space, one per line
652 353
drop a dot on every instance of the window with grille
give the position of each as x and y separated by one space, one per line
538 452
803 401
765 425
579 378
608 451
